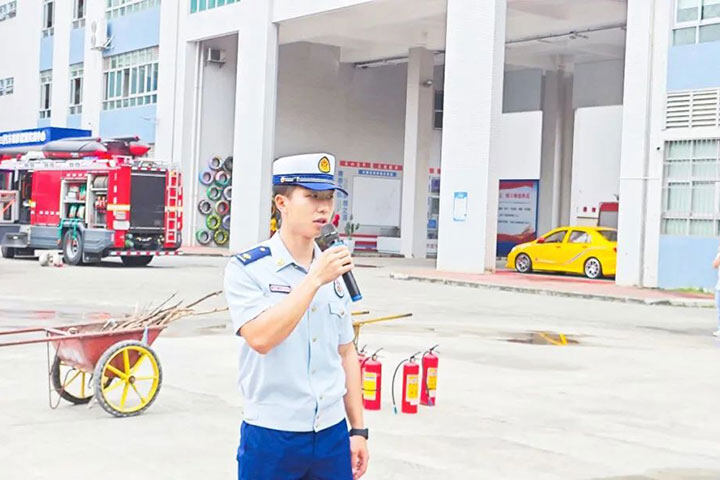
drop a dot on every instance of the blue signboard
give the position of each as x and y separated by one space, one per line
38 136
377 173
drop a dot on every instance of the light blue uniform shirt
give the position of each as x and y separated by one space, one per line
299 385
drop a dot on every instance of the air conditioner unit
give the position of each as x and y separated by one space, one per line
215 55
99 38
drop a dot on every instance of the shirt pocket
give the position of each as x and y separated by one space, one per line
337 310
339 315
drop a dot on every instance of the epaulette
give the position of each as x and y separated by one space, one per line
246 258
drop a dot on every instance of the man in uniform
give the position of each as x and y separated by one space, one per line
299 372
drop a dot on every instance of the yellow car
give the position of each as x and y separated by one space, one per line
591 251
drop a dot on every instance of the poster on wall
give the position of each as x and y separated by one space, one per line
517 214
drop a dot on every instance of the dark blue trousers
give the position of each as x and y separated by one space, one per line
266 454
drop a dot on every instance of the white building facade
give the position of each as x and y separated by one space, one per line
433 108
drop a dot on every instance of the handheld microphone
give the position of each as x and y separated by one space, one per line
330 238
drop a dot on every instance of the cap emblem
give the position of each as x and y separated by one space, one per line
324 165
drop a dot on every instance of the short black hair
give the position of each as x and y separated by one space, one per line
284 190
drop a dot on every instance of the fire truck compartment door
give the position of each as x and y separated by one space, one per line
9 206
147 201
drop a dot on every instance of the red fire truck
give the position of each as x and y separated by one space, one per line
90 198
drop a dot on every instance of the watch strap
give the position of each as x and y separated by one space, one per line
363 432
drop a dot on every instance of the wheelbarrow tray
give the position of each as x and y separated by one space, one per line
81 346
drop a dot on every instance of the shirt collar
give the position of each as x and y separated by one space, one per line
281 255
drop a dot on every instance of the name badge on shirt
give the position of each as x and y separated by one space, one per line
280 288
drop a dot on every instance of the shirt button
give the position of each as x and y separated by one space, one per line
313 309
321 397
314 339
313 372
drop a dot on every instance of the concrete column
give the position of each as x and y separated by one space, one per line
418 142
93 81
474 61
567 134
172 67
556 159
549 194
648 24
255 98
60 92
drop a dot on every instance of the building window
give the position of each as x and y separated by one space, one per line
696 21
8 10
118 8
76 86
7 86
131 79
691 188
201 5
48 18
78 13
438 110
45 91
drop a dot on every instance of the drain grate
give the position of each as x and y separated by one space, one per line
544 338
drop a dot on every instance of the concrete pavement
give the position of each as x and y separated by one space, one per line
636 398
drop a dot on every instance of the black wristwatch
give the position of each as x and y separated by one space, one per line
363 432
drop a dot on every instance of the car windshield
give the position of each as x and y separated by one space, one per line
610 235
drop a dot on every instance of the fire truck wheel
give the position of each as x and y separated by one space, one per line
72 248
7 252
136 261
215 163
228 164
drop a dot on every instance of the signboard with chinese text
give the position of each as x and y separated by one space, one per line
517 214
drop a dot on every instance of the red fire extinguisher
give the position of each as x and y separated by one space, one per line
371 374
410 385
429 377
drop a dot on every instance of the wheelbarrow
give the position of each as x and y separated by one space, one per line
116 367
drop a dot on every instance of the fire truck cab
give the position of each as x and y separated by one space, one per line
90 198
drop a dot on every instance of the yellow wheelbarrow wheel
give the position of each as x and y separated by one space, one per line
127 378
70 383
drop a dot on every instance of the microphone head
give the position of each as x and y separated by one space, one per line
328 237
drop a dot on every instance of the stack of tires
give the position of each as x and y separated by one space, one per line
214 205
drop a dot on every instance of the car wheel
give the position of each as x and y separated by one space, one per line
593 268
7 252
523 264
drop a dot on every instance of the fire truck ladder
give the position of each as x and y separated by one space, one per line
173 206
